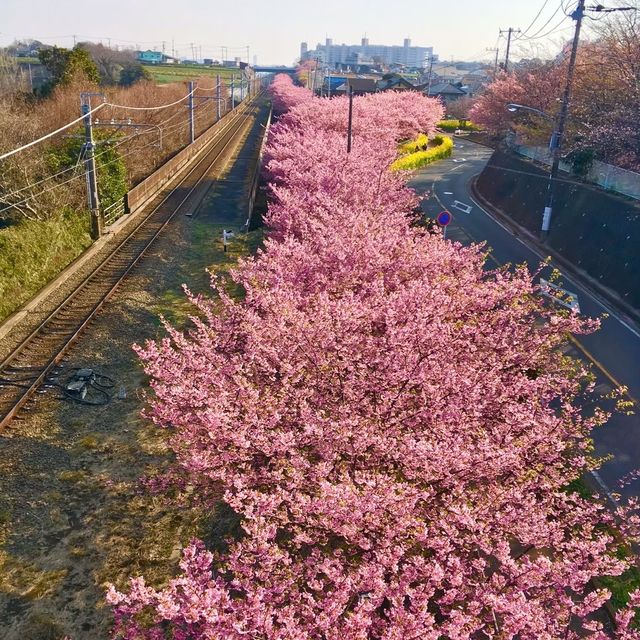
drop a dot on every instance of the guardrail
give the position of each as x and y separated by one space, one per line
114 212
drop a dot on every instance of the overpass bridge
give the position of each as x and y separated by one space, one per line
289 70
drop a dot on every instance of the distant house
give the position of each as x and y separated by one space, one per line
331 83
394 82
447 91
154 57
447 73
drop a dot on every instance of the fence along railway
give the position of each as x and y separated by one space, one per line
34 359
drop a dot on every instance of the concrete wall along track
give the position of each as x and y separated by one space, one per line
143 192
21 322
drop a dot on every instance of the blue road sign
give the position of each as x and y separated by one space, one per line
444 218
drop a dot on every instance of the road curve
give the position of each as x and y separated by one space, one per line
614 350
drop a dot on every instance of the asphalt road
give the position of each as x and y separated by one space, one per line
614 350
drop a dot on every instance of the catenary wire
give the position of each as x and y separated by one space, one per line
164 106
120 142
49 135
73 122
76 177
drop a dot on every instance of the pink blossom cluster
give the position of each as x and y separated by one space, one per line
392 424
285 94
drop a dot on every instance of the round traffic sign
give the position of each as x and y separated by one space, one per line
444 218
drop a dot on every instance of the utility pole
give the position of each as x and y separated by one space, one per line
495 66
97 220
349 126
233 104
430 75
556 139
218 97
192 119
510 31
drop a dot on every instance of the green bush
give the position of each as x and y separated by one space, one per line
110 167
582 161
454 125
32 253
417 160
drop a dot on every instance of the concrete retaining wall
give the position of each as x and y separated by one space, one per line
594 230
142 193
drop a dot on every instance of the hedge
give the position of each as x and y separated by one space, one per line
411 146
454 125
417 160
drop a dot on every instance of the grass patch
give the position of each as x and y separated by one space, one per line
167 73
457 125
206 247
72 477
32 253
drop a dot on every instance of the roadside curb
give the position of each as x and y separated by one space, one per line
630 314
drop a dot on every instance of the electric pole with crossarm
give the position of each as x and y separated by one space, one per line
558 134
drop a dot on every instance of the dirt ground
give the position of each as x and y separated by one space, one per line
73 515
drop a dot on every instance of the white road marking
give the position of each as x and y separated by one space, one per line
461 206
448 193
563 297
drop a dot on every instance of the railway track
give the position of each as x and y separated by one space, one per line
31 363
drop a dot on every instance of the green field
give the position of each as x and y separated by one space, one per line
27 60
165 73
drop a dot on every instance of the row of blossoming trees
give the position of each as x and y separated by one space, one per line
605 103
392 425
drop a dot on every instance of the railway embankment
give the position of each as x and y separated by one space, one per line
72 515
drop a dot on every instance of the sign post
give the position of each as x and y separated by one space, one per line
444 218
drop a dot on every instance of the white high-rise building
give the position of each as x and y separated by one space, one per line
365 52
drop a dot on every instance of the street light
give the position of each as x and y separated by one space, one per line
554 147
560 125
513 107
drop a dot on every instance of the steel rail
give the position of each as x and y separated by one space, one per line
121 260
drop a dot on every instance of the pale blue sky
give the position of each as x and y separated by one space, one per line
273 29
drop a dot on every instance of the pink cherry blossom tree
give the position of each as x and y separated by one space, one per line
393 425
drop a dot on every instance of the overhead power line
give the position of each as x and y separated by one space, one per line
164 106
119 142
82 117
536 35
542 8
49 135
26 199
